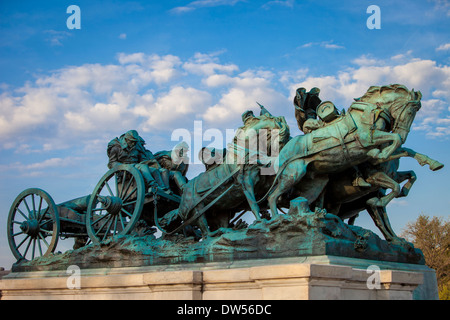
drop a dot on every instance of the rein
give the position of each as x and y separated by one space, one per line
399 124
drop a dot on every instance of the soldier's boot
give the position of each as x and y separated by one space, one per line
360 182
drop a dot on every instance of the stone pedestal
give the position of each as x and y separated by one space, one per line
317 277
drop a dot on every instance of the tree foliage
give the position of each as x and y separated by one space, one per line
432 236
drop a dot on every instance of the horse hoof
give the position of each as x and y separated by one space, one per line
436 165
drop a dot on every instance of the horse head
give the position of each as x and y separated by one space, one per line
400 103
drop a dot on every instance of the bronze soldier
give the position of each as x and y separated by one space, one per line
129 149
305 108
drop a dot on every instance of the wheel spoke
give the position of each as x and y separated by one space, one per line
128 203
101 218
33 220
107 220
125 190
23 241
126 187
23 214
109 189
43 214
43 239
28 208
115 224
122 193
116 182
28 247
39 246
45 222
126 212
34 249
40 205
121 222
126 198
108 229
16 234
49 233
34 206
38 212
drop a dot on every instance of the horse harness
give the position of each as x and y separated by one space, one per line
198 214
371 114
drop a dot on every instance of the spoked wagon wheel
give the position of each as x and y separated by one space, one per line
116 203
33 225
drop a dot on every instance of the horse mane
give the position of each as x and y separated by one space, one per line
379 91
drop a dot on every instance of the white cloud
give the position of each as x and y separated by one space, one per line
244 90
403 57
425 75
324 44
138 57
36 169
55 38
91 103
172 110
365 60
442 6
203 4
204 64
443 47
332 46
83 99
283 3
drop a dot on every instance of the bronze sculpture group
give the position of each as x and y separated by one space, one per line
344 163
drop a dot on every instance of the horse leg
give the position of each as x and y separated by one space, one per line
377 207
251 177
381 220
406 175
422 159
383 180
202 223
381 137
292 174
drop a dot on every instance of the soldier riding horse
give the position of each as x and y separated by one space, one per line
374 127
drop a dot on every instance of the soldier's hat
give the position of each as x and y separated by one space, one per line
246 114
131 135
327 111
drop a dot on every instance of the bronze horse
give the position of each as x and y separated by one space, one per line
374 127
211 199
306 163
346 200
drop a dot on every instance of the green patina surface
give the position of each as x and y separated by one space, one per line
345 163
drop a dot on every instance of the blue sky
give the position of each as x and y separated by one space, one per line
156 66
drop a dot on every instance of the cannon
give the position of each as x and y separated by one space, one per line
119 201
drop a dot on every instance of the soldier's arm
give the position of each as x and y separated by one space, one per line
148 158
113 155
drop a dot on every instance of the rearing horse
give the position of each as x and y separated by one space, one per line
373 128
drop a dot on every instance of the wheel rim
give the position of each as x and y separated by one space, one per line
116 203
33 225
